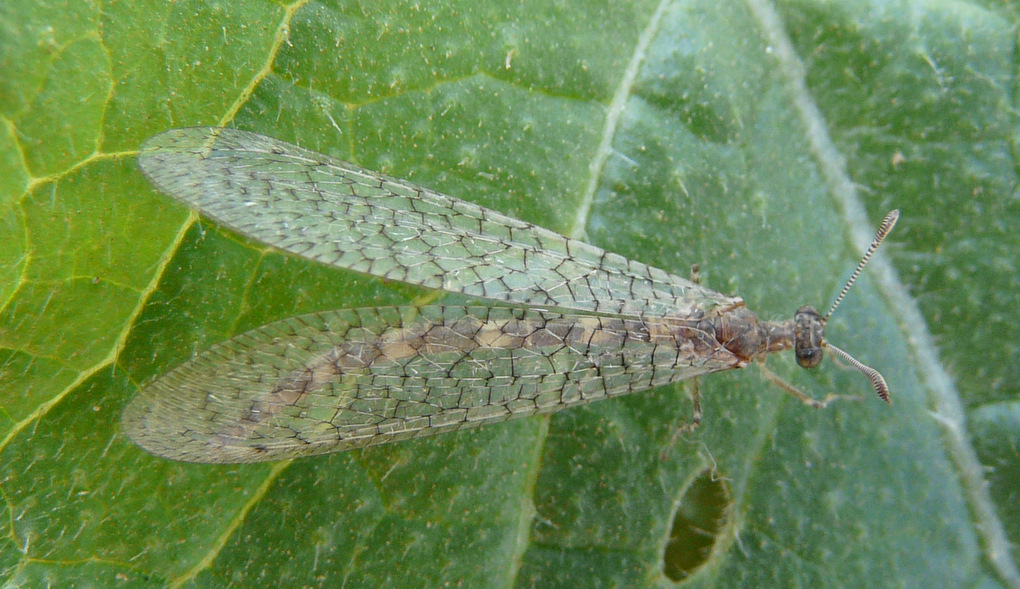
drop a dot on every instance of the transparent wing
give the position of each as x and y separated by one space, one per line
333 381
340 214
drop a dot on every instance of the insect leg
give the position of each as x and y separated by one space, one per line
686 427
801 396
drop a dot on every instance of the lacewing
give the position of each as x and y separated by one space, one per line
577 323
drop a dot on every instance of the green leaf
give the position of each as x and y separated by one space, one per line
763 142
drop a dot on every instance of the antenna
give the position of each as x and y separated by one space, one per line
883 230
881 388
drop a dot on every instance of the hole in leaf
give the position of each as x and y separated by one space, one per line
700 516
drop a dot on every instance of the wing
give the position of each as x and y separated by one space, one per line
333 381
340 214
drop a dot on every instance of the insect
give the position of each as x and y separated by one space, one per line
578 323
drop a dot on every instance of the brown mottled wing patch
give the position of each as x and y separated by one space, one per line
333 381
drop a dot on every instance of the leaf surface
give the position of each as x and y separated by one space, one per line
672 133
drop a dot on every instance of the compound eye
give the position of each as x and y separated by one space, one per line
809 337
809 357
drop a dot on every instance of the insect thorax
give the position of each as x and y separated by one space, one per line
741 332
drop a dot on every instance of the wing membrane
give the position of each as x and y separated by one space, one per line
333 381
340 214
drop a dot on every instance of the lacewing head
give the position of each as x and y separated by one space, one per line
809 325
